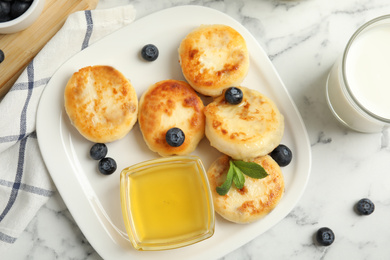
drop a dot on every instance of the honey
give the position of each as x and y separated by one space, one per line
167 203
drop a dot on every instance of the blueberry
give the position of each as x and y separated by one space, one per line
18 8
107 166
365 206
98 151
2 56
5 10
175 137
233 95
149 52
5 18
325 236
282 155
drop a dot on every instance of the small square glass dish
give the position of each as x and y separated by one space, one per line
167 203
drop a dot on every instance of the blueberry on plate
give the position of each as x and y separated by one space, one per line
365 206
107 166
175 137
233 95
149 52
98 151
325 236
282 155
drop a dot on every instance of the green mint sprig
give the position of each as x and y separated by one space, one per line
236 172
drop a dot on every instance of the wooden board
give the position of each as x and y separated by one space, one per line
21 47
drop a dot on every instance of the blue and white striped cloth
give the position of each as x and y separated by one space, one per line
25 184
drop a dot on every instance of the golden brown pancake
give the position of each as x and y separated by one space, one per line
101 103
256 199
213 57
247 130
168 104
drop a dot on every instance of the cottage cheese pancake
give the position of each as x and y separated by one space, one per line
168 104
256 199
101 103
250 129
213 57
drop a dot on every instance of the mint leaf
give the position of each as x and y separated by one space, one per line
251 169
225 187
236 172
238 178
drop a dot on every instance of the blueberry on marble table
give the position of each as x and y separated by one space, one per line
365 206
325 236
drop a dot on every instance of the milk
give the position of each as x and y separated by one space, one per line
358 86
368 70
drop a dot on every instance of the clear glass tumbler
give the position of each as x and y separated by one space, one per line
358 85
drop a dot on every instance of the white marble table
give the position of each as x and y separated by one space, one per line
303 39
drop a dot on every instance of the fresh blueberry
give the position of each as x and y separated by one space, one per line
18 8
98 151
2 56
365 207
107 166
282 155
149 52
5 9
325 236
5 18
233 95
175 137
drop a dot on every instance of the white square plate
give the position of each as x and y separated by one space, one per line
93 199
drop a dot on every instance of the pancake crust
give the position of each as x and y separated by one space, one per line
256 199
101 103
213 57
250 129
168 104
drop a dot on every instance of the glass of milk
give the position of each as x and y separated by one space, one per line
358 85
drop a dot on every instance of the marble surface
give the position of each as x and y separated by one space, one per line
303 38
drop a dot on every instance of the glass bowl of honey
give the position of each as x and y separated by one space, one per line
167 203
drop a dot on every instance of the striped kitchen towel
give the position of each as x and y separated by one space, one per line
25 184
